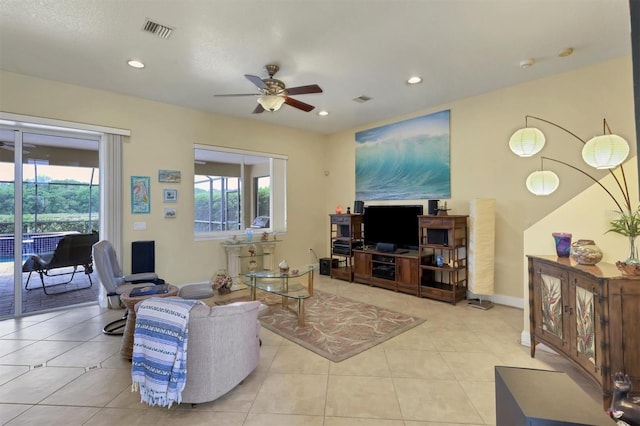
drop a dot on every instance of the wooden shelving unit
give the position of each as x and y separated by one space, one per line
346 234
443 254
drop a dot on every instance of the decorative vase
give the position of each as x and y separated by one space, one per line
586 252
633 252
563 243
222 282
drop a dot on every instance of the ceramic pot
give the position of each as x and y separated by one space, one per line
586 252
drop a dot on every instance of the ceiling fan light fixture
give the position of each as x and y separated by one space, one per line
323 113
271 102
414 80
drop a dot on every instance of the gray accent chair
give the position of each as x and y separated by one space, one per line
223 349
105 262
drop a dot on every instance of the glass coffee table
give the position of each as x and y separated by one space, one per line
285 284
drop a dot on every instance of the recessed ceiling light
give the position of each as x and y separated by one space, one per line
414 80
323 113
135 63
565 52
527 63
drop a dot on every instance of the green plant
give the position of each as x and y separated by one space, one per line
628 224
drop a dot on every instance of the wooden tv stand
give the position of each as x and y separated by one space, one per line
393 271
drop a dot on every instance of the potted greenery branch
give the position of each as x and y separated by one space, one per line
628 225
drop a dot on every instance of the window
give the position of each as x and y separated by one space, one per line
234 187
262 190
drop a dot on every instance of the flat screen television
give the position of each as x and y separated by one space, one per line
392 225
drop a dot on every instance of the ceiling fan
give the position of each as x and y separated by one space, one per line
273 92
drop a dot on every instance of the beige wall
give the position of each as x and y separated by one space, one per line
162 137
321 169
482 166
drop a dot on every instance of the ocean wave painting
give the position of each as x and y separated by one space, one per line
408 160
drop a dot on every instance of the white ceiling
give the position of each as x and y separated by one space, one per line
350 48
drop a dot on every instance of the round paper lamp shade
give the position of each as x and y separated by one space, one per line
542 182
605 152
527 142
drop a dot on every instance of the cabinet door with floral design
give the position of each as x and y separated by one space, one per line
552 305
585 322
549 306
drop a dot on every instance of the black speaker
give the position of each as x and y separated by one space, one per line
386 247
325 265
439 237
433 207
143 257
358 207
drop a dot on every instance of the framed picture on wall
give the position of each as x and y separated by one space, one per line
169 176
169 213
140 195
170 195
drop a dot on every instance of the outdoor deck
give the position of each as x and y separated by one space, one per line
35 300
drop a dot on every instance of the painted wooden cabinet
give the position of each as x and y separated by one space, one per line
588 313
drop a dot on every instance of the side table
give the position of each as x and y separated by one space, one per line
541 398
126 346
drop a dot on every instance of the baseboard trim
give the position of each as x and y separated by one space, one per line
498 299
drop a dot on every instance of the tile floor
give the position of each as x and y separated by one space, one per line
58 368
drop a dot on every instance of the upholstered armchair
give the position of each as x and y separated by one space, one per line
223 349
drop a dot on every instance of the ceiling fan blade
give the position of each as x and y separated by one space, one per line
297 104
238 94
257 81
259 109
302 90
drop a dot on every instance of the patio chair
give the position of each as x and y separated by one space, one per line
73 251
115 282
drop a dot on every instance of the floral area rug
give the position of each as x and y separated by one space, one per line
335 327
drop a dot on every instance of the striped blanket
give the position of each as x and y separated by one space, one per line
159 363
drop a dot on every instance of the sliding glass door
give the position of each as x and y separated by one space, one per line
54 193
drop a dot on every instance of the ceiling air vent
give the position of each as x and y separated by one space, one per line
362 99
159 30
